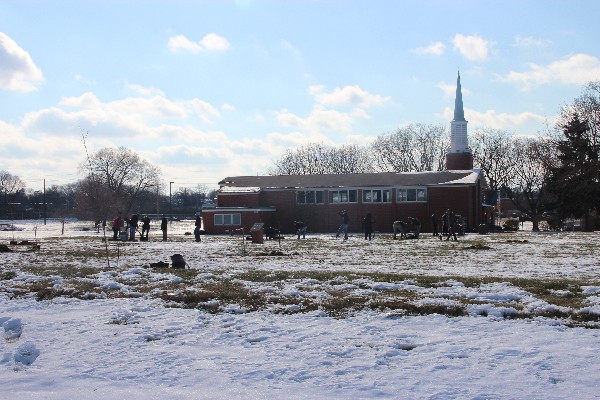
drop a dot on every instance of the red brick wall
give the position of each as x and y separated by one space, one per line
248 218
323 218
238 200
459 161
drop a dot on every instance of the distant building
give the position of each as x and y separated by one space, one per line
280 200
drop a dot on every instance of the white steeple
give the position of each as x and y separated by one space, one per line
459 142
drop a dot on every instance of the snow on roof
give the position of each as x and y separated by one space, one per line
383 179
470 178
239 189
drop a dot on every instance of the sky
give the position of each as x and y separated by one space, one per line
210 89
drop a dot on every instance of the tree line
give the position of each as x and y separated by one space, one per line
555 173
115 180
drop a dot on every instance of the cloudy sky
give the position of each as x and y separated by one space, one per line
210 89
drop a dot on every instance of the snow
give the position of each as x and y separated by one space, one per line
138 346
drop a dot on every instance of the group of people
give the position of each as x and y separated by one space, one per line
450 225
367 225
301 228
449 221
129 226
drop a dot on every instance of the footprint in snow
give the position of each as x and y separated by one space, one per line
12 329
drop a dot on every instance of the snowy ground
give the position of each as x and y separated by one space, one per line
122 331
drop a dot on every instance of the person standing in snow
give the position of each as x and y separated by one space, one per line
145 226
133 225
344 226
368 226
434 223
451 222
198 225
163 227
116 226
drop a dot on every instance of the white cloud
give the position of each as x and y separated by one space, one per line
324 119
181 43
574 70
144 91
204 110
319 120
48 142
210 42
473 47
493 119
17 70
347 96
436 49
529 41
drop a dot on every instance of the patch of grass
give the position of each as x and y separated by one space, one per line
65 271
7 275
226 292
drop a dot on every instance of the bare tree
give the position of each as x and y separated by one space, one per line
316 158
416 147
115 180
492 152
9 185
532 158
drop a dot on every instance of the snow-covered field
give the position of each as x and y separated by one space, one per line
328 319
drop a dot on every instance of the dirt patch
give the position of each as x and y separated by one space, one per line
478 246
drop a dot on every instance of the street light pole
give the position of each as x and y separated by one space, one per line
170 201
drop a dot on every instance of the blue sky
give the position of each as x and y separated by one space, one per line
210 89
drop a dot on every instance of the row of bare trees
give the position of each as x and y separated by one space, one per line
416 147
115 180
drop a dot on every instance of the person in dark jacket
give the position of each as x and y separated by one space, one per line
368 226
145 226
198 225
163 227
344 226
301 229
434 223
133 225
451 222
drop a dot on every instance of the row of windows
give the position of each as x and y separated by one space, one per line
368 196
338 196
228 219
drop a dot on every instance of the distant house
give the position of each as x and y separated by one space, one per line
278 201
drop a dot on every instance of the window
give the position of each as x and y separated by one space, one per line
412 194
342 196
377 196
309 197
228 219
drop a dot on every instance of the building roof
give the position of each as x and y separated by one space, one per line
382 179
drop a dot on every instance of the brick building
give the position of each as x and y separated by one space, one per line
278 201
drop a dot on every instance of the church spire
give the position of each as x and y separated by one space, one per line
459 112
459 155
